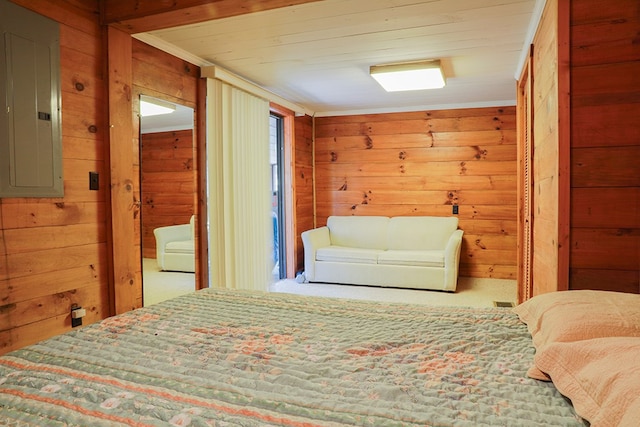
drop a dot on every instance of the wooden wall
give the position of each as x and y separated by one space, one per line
595 135
605 146
546 143
54 251
303 182
422 163
168 185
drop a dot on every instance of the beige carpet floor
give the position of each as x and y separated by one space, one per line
161 285
470 292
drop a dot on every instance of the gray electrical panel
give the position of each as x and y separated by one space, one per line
30 123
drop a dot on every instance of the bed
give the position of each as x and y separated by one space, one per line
227 358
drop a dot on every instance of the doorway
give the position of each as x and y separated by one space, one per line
167 188
276 144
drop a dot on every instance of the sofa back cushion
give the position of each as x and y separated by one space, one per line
420 232
368 232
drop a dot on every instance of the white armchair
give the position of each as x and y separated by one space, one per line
175 247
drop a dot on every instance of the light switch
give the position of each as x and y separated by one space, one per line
94 181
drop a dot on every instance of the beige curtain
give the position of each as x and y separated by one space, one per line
240 229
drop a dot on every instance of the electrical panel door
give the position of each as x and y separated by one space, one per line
30 131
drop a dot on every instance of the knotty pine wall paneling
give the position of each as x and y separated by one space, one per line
168 187
599 138
423 163
53 251
605 146
548 139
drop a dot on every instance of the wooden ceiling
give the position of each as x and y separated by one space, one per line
317 54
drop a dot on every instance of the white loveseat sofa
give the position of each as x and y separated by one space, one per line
420 252
175 247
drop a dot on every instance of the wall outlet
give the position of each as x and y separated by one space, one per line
77 313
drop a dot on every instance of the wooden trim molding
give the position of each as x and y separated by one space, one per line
202 249
524 113
289 187
564 143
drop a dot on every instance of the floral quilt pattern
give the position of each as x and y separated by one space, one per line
239 358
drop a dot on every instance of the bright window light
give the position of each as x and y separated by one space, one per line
416 75
155 107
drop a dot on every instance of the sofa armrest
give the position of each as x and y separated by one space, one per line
452 260
170 233
312 240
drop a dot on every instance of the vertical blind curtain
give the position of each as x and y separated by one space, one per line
238 192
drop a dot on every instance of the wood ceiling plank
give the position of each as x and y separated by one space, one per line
142 16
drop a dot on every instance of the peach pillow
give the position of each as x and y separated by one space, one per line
567 316
601 376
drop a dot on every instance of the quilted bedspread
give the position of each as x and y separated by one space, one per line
227 358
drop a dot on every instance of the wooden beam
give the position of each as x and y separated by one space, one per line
125 206
147 15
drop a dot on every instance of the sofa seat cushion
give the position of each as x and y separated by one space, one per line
412 258
180 247
344 254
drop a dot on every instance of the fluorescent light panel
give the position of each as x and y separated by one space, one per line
155 107
417 75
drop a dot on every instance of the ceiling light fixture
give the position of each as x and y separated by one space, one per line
155 107
417 75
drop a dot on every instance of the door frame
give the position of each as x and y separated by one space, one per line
124 254
288 195
525 135
138 92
